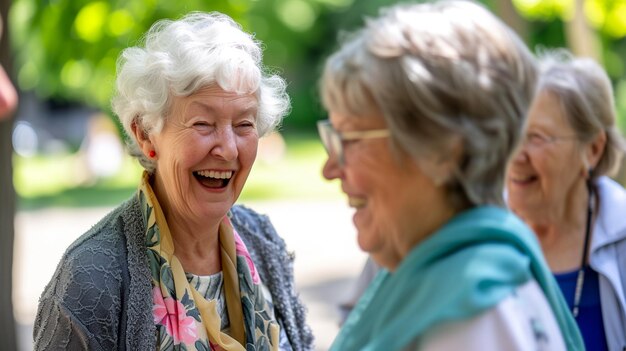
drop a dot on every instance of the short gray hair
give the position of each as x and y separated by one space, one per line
181 57
439 73
586 96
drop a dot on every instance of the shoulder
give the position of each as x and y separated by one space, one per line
102 247
87 286
611 224
523 321
611 192
95 258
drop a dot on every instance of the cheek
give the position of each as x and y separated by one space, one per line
544 164
366 172
555 167
186 156
247 149
179 146
558 174
359 181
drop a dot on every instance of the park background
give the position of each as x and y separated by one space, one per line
62 164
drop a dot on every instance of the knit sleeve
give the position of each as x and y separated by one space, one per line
56 328
275 266
81 307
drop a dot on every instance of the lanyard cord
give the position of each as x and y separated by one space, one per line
580 281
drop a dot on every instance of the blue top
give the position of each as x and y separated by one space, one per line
589 311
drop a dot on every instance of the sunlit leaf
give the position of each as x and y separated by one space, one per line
596 12
298 15
20 18
90 21
545 9
120 22
75 74
28 76
615 24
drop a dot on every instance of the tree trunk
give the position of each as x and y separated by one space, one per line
581 38
507 12
7 208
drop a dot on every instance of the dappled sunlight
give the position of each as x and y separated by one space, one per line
90 21
41 177
298 15
75 73
120 22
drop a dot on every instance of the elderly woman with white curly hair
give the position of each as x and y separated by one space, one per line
426 104
178 266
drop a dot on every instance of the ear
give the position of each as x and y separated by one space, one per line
142 138
440 168
593 151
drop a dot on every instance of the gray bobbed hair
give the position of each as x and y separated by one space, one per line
179 58
440 73
586 96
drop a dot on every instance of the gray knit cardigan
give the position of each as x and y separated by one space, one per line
100 297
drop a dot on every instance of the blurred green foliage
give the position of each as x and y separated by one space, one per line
67 49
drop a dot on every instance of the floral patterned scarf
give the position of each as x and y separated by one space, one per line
185 320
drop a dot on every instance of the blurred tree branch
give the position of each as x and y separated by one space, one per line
581 38
508 13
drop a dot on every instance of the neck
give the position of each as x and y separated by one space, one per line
196 242
198 251
439 214
561 234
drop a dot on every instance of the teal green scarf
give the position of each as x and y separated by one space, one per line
468 266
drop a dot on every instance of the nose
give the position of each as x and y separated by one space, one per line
331 169
225 146
520 154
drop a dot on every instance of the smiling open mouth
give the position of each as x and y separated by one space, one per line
523 180
213 179
356 202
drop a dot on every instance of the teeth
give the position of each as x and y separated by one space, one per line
522 179
356 202
216 174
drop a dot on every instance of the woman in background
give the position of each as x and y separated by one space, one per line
558 183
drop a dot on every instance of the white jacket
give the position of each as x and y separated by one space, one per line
608 258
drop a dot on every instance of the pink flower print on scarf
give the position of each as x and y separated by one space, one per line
241 250
215 347
173 316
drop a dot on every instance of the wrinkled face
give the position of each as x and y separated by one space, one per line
204 153
547 170
386 192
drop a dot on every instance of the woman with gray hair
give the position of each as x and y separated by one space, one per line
426 105
558 184
177 266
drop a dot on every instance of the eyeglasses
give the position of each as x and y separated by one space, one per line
537 140
334 141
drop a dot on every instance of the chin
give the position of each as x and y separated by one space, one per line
216 210
367 241
527 211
